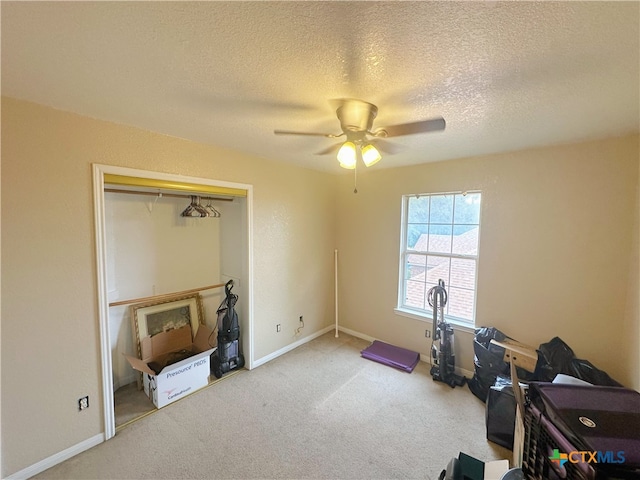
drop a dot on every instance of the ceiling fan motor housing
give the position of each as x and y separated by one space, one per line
356 121
356 116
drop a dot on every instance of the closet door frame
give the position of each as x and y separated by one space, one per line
99 172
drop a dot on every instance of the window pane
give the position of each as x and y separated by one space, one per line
418 210
417 236
416 267
467 209
460 303
437 268
443 230
428 307
463 273
414 294
440 238
441 209
465 240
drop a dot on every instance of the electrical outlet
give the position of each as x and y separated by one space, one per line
83 403
277 327
427 333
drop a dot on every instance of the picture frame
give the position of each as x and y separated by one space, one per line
151 318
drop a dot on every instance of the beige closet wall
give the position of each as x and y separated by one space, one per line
50 329
558 249
152 250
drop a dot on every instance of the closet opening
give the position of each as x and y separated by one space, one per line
159 238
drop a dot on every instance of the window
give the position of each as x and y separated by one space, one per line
440 237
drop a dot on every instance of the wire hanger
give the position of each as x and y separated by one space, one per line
192 210
212 210
196 210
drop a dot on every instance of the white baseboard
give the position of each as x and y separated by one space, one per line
121 382
353 333
465 373
291 346
97 439
459 371
57 458
423 357
348 331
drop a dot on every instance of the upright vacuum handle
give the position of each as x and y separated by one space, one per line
228 286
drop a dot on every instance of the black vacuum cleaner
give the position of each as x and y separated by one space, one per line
442 353
227 356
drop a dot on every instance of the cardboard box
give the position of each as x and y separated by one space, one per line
179 379
469 468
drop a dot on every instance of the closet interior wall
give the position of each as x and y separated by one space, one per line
153 250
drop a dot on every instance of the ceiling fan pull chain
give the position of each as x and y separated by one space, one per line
355 178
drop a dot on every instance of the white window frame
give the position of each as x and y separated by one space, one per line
426 314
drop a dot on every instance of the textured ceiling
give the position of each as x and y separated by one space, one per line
504 75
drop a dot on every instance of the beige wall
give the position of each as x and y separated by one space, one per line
556 249
50 335
556 256
633 301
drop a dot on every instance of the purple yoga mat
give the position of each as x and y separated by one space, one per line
391 355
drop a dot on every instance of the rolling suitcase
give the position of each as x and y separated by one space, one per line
599 425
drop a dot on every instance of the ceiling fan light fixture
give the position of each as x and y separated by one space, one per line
347 155
356 122
370 155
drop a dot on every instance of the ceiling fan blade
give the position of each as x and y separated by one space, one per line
331 149
386 146
432 125
315 134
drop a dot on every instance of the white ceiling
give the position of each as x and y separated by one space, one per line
504 75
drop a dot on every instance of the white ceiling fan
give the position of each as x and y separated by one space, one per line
356 122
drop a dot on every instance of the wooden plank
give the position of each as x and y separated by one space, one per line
165 295
519 354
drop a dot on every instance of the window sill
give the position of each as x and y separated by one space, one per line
427 318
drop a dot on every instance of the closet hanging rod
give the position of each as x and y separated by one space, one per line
163 295
175 195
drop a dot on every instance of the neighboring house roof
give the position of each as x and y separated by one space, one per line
459 274
463 244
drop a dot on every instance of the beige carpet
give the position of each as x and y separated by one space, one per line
130 404
320 411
